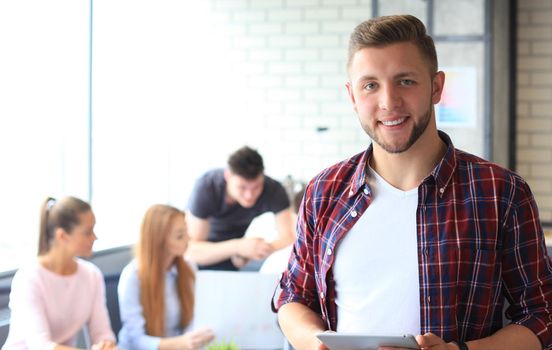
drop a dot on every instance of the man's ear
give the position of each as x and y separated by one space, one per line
437 86
227 174
349 87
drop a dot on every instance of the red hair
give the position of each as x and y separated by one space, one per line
151 247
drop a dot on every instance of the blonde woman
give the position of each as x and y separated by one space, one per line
156 297
58 294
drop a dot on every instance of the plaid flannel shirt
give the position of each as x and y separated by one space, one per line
480 242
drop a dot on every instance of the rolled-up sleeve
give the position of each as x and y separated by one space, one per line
527 270
298 280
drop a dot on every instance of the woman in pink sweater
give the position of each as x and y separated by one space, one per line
58 294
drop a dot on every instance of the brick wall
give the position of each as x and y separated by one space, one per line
291 56
534 100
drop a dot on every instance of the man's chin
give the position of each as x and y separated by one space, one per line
247 204
395 148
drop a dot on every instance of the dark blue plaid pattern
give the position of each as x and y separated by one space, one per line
480 242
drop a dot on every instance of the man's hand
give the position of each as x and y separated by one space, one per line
254 248
239 261
321 346
431 341
428 341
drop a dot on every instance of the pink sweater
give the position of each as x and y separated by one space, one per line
49 309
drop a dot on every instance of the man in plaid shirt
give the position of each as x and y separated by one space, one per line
413 235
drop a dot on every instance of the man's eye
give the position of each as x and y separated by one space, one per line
407 82
370 86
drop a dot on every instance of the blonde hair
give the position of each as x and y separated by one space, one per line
151 247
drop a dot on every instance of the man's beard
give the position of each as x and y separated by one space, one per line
418 130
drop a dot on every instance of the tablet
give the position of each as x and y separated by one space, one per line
350 341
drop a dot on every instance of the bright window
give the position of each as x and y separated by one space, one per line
43 114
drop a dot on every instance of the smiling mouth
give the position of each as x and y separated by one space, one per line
393 122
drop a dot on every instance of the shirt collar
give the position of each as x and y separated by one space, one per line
360 175
442 173
444 170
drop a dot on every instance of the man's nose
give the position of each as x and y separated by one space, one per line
389 98
248 194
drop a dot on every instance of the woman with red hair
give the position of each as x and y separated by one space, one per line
156 289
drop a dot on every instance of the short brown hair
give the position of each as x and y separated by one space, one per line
246 162
385 30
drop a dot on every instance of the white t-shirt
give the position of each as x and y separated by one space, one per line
49 309
376 266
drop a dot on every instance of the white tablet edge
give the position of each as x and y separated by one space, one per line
351 341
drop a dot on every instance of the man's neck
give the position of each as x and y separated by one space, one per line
408 169
228 199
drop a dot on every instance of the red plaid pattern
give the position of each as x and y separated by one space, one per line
480 242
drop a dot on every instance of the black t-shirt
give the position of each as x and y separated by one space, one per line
228 221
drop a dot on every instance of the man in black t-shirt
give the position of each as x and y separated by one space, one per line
223 204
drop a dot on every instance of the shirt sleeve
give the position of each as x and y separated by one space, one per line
203 197
298 282
29 322
133 332
527 271
279 199
99 325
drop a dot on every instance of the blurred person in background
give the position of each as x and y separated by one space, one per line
58 294
223 204
156 289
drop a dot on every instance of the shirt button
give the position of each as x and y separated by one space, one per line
354 213
429 299
442 190
365 191
321 295
329 251
350 192
426 252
